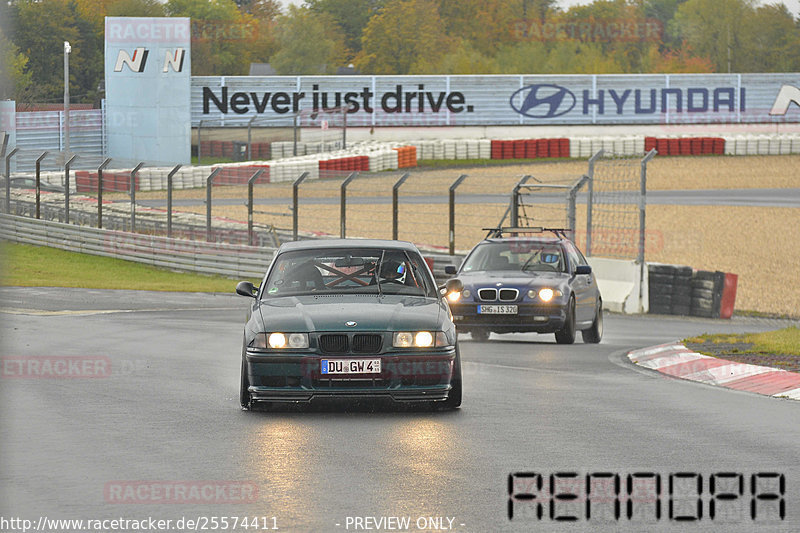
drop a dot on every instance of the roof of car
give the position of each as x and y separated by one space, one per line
347 243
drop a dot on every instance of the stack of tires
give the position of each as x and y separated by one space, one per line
682 291
707 293
661 279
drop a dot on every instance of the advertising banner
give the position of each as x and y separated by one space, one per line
502 99
148 81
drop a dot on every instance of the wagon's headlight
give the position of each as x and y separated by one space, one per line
279 340
546 294
419 339
454 296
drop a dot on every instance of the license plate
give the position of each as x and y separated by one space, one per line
350 366
497 309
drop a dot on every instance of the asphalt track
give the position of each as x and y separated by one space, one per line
168 414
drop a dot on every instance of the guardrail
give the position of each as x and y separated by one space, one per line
236 261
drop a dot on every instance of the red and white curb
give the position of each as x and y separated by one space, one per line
677 360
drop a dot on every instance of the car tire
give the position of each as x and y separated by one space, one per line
244 385
594 334
566 335
479 335
453 400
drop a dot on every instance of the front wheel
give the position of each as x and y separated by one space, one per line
595 333
454 398
566 335
244 385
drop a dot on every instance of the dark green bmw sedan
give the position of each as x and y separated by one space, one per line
349 318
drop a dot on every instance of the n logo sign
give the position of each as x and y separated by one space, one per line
173 59
136 62
786 97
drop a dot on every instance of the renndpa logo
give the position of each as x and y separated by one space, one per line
173 59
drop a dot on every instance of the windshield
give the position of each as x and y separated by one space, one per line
348 271
520 255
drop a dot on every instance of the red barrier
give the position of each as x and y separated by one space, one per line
564 145
685 147
497 150
519 149
674 147
530 148
508 149
650 144
697 146
728 295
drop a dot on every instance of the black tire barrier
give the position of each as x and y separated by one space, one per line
680 290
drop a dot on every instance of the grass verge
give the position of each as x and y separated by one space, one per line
783 341
39 266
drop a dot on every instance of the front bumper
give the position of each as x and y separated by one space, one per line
529 318
296 377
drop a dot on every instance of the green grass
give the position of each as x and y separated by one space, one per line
783 341
40 266
208 160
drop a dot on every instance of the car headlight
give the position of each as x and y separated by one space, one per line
279 340
546 294
454 296
419 339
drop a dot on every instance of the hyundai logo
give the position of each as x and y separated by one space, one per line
544 101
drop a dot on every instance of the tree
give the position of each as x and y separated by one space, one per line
220 35
15 80
405 37
486 24
135 8
309 43
351 16
40 34
772 41
716 29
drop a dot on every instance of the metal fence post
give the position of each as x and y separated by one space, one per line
643 203
250 138
66 187
571 207
396 204
452 233
133 195
252 179
590 200
103 165
209 181
8 179
295 203
343 204
169 198
199 141
39 181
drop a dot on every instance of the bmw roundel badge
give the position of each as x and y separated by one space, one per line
351 323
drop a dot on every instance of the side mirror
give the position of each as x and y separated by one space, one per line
246 288
583 269
453 285
450 270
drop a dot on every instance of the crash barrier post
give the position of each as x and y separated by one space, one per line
396 204
103 165
343 204
8 178
571 204
39 182
589 200
520 217
296 202
209 184
199 143
642 213
133 194
169 197
257 174
452 229
66 187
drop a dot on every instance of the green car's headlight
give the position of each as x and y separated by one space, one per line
279 340
419 339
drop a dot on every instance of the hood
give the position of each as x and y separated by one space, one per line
370 312
512 278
